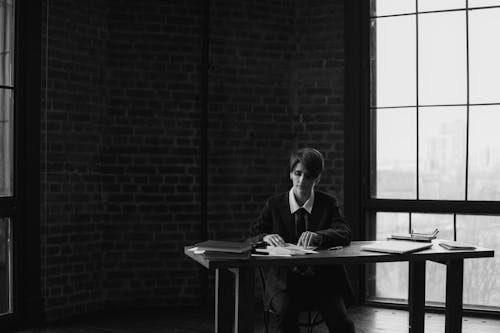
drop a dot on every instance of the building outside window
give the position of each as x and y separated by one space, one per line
434 111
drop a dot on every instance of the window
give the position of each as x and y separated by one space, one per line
7 189
434 147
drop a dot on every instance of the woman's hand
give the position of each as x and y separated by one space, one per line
274 240
309 238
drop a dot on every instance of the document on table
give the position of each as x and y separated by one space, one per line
285 251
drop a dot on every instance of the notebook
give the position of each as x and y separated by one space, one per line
451 245
396 246
223 246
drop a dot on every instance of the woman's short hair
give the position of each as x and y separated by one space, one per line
311 159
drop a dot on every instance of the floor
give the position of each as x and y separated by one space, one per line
367 320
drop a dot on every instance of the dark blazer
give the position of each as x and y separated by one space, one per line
326 220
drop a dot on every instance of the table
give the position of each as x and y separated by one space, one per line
242 272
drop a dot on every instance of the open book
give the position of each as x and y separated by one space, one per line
415 236
287 250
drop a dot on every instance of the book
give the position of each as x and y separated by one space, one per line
223 246
396 246
415 236
452 245
218 255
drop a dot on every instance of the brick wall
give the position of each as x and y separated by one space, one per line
120 135
151 156
73 113
276 84
318 71
120 154
250 116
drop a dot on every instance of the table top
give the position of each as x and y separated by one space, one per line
352 254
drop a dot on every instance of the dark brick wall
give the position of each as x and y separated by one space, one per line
152 147
250 116
73 114
121 136
276 84
120 153
318 71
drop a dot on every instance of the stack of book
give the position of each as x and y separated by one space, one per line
416 236
219 249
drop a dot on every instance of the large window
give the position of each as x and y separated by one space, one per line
434 111
6 153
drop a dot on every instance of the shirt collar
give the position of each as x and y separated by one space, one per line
294 206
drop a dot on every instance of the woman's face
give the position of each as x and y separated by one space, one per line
303 183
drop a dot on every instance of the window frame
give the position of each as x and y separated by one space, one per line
359 205
24 206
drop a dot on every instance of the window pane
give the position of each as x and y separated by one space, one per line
396 153
442 145
427 222
435 275
391 223
5 267
393 61
390 280
483 3
481 276
392 7
484 26
428 5
6 142
442 58
484 153
6 42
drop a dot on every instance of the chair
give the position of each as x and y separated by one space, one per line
313 317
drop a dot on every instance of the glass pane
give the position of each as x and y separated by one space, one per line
390 280
396 153
435 275
6 42
427 222
481 276
484 26
484 153
483 3
393 61
6 142
391 223
5 266
442 58
392 7
428 5
442 145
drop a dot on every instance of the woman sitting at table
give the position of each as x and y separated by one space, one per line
308 218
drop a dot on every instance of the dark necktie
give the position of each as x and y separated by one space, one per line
300 227
300 221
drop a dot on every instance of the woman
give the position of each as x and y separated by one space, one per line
305 217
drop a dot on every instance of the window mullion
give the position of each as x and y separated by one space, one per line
417 102
468 103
